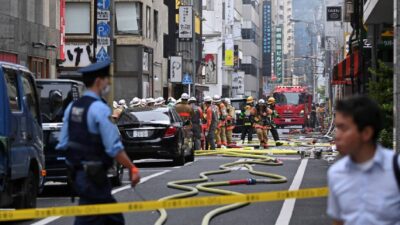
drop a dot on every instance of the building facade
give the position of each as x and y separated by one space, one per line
130 33
30 34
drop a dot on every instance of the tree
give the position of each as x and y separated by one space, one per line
381 91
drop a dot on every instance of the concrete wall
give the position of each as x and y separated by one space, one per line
25 21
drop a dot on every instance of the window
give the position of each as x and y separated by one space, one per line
39 67
128 17
148 22
30 95
77 18
12 89
155 22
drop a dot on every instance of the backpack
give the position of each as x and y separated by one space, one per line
396 168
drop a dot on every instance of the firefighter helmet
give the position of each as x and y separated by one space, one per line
184 97
217 99
249 99
192 99
261 101
207 99
271 100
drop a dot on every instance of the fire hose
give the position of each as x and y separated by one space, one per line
209 187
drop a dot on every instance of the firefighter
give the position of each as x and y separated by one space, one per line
171 102
274 131
183 108
212 122
230 121
247 116
262 123
220 136
196 122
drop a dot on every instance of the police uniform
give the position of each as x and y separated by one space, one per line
90 138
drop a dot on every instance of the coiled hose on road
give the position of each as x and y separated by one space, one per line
209 187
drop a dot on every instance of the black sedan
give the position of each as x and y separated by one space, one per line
156 132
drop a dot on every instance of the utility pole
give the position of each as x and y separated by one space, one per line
193 50
396 79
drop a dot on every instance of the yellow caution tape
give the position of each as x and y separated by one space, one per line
101 209
248 151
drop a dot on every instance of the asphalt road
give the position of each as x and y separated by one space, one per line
301 173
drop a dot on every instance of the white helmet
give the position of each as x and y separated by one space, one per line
143 102
171 100
115 104
150 101
227 101
159 101
261 101
192 99
208 99
122 102
184 96
135 102
217 98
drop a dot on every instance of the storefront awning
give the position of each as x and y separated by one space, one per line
346 69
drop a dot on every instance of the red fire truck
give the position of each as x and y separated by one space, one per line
293 104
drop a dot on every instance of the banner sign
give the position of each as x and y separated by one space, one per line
185 22
267 37
333 13
278 54
176 69
211 69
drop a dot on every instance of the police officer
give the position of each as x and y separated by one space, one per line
196 122
92 142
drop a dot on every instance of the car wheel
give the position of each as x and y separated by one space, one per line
180 159
29 192
116 180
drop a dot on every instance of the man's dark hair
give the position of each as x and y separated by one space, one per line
364 111
89 78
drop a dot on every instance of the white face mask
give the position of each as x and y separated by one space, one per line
105 90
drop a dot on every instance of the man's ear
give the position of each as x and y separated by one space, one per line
367 134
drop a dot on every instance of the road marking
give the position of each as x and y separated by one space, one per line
287 209
142 180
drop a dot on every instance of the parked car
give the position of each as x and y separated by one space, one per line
156 132
239 104
55 96
22 163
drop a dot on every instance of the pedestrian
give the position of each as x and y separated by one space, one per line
196 122
92 142
212 122
247 116
321 115
362 185
271 105
220 135
230 121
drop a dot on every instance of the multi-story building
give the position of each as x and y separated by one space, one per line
130 33
219 33
30 34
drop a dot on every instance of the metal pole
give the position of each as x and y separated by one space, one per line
396 81
95 31
193 51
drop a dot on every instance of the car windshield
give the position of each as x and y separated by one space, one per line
238 104
146 115
287 98
52 113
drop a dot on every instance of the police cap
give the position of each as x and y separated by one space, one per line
98 69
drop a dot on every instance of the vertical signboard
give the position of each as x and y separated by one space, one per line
229 12
103 29
176 68
238 82
278 54
267 38
236 57
62 30
211 68
185 21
